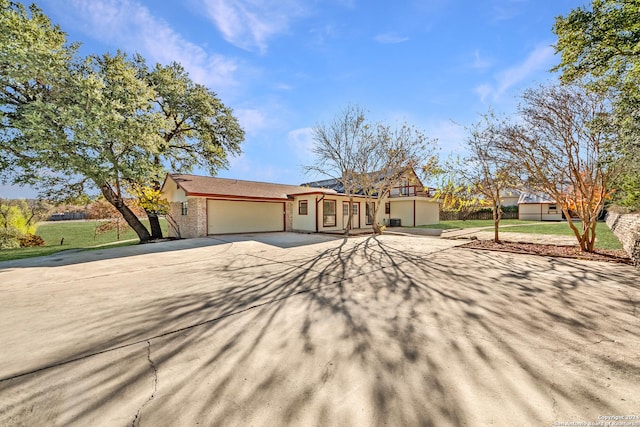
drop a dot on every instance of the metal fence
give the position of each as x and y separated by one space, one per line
454 215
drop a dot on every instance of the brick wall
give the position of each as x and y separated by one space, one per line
288 208
194 223
626 227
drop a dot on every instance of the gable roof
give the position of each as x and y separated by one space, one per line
337 185
331 183
510 192
531 198
195 185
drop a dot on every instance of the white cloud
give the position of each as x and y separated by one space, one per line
300 141
540 59
251 120
245 167
483 91
504 10
128 23
283 86
390 38
450 135
479 62
249 24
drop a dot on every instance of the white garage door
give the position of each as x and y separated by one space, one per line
225 216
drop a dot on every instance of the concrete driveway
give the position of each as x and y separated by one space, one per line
312 330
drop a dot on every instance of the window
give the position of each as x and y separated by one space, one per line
303 207
387 208
184 208
355 209
329 213
552 207
369 212
404 190
345 208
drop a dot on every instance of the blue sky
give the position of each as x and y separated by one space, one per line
284 66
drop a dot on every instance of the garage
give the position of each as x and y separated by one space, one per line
232 216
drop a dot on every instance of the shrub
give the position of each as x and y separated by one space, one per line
31 240
9 238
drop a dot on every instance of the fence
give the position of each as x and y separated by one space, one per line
66 216
454 215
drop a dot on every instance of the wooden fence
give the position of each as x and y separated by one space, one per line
453 215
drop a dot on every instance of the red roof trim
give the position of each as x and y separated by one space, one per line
310 193
233 196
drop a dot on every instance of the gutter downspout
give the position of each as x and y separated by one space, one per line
414 212
317 204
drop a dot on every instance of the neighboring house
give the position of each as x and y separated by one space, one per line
510 197
203 206
538 207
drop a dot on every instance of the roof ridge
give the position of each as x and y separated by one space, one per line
236 179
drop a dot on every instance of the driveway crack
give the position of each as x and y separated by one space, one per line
154 369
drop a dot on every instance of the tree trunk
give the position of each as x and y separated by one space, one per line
497 215
591 241
348 226
126 213
374 223
154 223
584 247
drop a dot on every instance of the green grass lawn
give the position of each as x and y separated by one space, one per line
472 223
605 239
77 235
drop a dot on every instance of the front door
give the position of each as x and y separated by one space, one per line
355 209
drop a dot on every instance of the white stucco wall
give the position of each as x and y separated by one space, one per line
305 222
402 209
172 193
427 212
538 212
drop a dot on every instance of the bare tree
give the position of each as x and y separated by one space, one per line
393 152
336 149
562 147
486 168
367 159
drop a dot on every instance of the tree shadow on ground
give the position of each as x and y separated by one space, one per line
370 331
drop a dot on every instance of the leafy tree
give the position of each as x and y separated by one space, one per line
149 198
601 46
455 192
103 122
18 220
196 128
561 147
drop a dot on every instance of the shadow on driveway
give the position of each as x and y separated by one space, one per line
367 331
